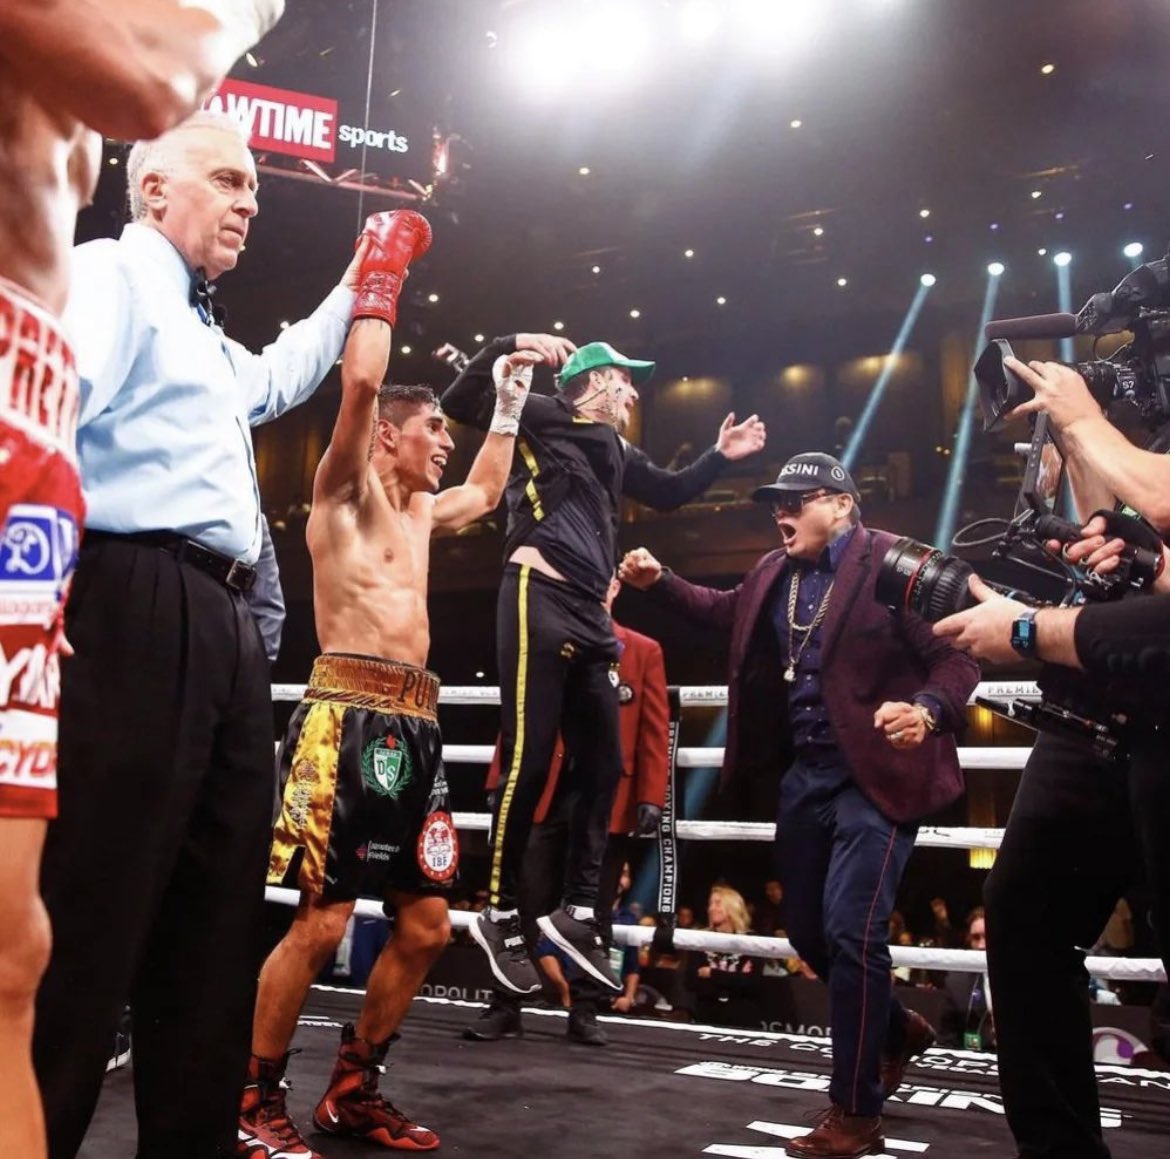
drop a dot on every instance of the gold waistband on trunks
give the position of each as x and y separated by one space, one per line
38 375
367 682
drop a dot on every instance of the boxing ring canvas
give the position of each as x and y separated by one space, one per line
657 1091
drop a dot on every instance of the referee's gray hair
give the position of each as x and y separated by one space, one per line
159 155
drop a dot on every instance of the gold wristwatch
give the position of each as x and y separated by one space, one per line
927 717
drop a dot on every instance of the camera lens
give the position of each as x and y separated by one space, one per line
919 578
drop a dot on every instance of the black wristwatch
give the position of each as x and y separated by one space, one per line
1024 633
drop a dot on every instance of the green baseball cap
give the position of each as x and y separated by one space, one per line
595 355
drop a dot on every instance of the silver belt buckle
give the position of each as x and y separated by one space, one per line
232 579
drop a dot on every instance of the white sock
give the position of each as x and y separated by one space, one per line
582 913
501 915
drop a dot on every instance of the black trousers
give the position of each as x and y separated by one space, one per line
541 886
556 654
154 872
1079 833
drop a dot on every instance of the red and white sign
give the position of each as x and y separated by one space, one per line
281 121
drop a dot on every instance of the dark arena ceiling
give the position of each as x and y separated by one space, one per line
916 135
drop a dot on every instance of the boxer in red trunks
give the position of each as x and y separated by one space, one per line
70 71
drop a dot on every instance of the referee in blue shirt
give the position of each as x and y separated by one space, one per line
154 874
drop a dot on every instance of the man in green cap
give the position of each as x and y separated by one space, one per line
557 654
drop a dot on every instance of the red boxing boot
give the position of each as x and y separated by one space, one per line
395 240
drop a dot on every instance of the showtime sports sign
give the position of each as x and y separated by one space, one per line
297 124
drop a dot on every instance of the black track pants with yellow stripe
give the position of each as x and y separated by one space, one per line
557 658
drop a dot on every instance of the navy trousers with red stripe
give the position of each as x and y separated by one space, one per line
840 862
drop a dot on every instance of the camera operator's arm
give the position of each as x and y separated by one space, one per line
985 631
1103 463
1128 639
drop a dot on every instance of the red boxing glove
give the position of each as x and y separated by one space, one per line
395 238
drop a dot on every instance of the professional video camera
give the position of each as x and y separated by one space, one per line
1139 371
921 578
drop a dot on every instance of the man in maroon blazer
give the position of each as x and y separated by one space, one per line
853 708
644 719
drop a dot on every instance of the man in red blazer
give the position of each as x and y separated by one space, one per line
853 708
643 716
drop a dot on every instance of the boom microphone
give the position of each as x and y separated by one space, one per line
1037 326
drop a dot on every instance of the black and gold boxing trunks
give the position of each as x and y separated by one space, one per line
365 806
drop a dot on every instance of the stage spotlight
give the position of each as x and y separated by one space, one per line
1036 193
842 282
558 325
1063 258
928 280
995 269
404 349
1133 250
1047 69
924 213
721 301
635 313
818 231
688 253
699 21
479 338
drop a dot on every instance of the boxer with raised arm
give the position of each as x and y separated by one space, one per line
366 805
70 71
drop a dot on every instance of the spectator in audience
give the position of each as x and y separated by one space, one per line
943 934
725 984
967 1020
767 919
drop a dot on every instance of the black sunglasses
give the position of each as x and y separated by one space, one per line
796 503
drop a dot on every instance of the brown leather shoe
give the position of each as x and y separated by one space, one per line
919 1036
839 1136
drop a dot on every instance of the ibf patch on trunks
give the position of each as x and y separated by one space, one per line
366 806
38 552
438 847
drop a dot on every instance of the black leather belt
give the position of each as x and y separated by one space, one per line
232 573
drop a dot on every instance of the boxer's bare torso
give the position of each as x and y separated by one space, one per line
370 564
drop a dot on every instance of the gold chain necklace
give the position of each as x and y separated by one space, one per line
795 653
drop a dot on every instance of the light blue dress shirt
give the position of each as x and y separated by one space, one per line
167 400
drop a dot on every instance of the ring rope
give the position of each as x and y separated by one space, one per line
917 957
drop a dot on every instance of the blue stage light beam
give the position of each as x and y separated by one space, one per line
853 447
1062 261
945 530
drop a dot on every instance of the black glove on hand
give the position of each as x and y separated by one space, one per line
649 818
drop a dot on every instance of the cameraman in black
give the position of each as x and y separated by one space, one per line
1082 827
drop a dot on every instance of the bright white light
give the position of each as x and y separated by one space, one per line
558 325
995 269
769 26
432 298
928 280
404 350
721 301
612 40
1048 69
635 313
1036 193
1042 250
479 338
284 325
597 269
479 675
688 253
819 232
1133 250
842 282
699 21
924 213
1062 258
535 59
251 60
584 170
795 124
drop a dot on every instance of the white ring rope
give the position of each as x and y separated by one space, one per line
918 957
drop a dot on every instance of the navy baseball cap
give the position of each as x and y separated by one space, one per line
810 471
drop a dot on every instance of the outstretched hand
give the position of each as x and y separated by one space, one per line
737 442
